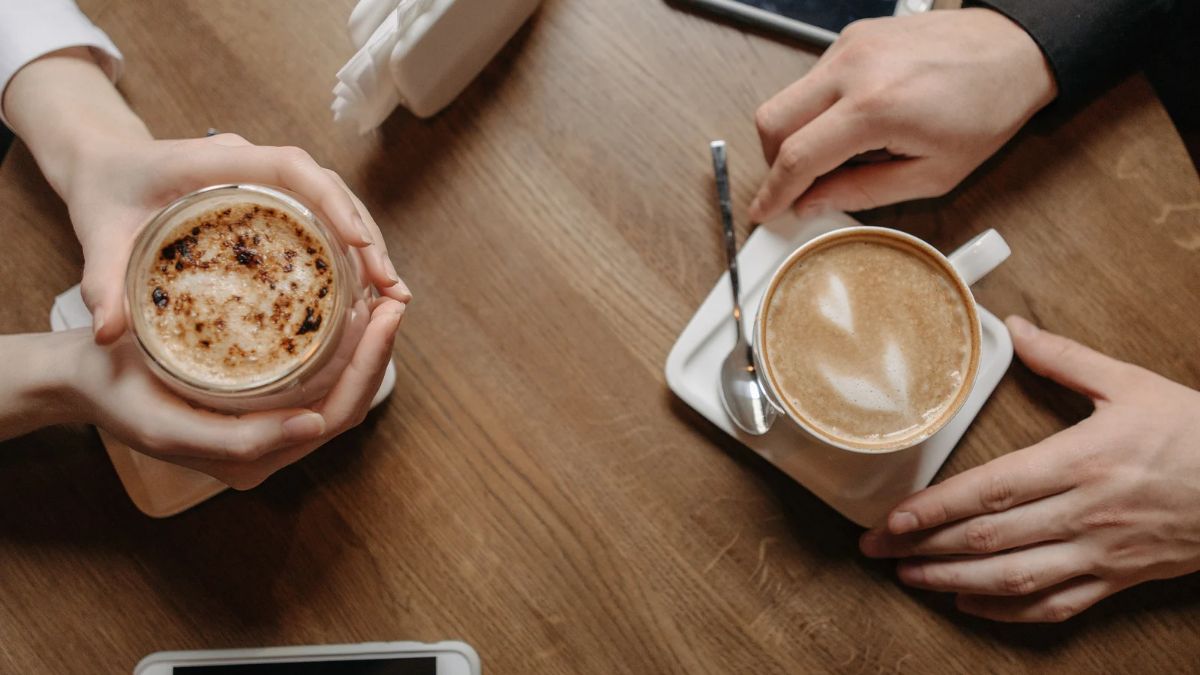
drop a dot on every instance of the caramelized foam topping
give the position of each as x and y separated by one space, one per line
237 295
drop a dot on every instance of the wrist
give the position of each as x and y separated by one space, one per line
56 359
1037 75
65 108
38 387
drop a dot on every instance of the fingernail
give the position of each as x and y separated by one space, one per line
403 289
98 321
901 522
1020 327
755 206
303 427
363 231
910 574
389 270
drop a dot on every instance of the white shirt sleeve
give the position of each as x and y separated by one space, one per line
33 28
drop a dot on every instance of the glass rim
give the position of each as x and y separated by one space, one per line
147 242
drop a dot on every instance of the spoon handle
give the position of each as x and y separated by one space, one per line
722 174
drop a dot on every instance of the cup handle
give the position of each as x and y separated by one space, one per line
974 259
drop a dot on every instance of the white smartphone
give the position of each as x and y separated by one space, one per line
819 21
369 658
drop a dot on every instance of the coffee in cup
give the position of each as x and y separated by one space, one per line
239 293
869 339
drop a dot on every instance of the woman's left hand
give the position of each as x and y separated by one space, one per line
118 186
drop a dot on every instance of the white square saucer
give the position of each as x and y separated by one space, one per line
861 487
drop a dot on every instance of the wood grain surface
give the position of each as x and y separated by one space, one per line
532 487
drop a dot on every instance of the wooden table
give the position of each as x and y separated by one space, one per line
532 487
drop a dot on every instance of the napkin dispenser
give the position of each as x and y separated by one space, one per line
421 54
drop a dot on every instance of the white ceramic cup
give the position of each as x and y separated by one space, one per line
970 263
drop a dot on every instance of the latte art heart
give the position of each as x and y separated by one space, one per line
884 394
868 340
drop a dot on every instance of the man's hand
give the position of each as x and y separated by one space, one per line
1043 533
938 93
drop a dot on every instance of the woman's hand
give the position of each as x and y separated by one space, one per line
937 92
1043 533
118 187
112 388
103 162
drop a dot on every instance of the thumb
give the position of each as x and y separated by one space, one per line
858 187
104 294
1067 362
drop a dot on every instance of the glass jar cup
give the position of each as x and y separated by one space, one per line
308 375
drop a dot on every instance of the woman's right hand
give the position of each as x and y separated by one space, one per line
114 390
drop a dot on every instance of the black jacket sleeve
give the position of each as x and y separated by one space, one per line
1089 43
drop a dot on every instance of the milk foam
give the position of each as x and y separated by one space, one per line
888 394
868 340
237 295
835 304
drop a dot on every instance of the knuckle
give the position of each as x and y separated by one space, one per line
228 137
792 158
855 30
932 515
858 55
1088 460
873 103
154 439
1126 558
243 447
997 494
294 155
91 287
1018 581
982 537
1104 519
1114 562
938 576
764 121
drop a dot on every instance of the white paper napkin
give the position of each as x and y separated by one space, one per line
365 94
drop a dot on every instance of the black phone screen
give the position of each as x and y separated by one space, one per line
423 665
831 15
